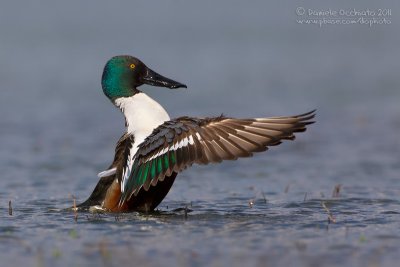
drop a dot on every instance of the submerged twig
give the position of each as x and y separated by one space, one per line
336 190
10 211
74 208
264 197
186 212
287 188
330 216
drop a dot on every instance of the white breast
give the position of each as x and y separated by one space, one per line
142 115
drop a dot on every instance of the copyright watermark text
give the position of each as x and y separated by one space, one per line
353 16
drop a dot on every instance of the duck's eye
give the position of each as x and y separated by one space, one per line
132 66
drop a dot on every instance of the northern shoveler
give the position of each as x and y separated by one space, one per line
154 148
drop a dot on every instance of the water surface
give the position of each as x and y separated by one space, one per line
57 131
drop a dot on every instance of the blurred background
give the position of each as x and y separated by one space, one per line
243 59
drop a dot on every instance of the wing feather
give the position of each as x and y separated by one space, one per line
177 144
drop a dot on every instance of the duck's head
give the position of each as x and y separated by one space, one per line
123 74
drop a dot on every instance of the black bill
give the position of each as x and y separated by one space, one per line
155 79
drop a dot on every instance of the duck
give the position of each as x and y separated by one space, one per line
154 148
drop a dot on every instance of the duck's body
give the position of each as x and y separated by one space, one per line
146 114
155 148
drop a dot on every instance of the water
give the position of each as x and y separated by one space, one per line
57 131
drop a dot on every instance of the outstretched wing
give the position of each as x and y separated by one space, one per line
177 144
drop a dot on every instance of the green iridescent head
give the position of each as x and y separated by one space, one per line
123 74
